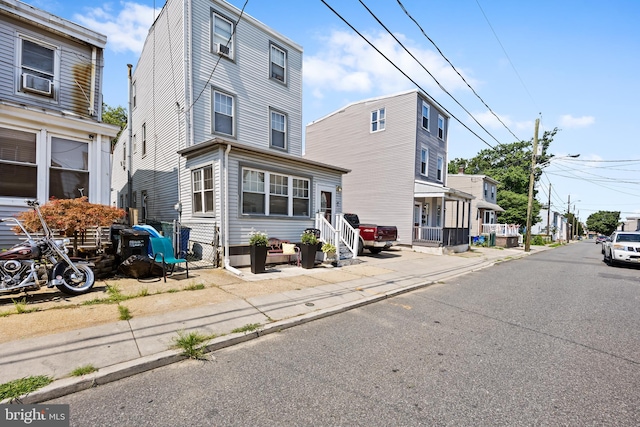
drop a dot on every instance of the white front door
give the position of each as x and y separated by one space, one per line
326 202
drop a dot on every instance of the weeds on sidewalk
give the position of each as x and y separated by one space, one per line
250 327
16 388
193 344
21 306
194 287
83 370
125 314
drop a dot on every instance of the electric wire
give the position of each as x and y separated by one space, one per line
455 69
403 73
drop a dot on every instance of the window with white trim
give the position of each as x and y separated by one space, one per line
203 191
486 190
440 172
493 192
144 139
278 63
425 115
424 161
440 127
18 168
278 130
286 196
69 171
377 120
133 94
221 34
223 113
38 65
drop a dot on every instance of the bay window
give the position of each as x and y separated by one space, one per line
286 195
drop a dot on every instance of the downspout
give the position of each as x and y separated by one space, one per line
225 215
92 92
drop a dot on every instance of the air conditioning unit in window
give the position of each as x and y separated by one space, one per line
222 49
37 84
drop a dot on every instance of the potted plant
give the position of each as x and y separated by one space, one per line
258 251
329 250
308 248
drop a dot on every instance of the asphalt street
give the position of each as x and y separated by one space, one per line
549 339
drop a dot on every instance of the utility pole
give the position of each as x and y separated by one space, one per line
569 225
549 212
527 243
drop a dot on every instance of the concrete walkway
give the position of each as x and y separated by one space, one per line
125 348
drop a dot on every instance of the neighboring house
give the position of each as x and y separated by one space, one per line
484 207
553 225
632 223
52 141
215 137
396 148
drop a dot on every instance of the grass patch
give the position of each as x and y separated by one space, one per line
173 291
125 314
16 388
555 245
143 292
83 370
250 327
5 313
21 306
193 344
194 287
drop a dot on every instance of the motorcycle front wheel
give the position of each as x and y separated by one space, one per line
74 284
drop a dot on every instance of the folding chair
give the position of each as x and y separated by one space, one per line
163 253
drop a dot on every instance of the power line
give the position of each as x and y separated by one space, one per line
454 69
403 73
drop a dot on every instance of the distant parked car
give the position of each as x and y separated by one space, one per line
601 239
622 247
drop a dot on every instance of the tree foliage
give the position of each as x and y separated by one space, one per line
115 116
510 165
71 216
603 222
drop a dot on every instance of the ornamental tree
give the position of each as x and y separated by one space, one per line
71 216
603 222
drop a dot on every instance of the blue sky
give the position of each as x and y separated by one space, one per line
572 63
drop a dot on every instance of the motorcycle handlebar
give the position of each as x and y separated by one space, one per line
32 203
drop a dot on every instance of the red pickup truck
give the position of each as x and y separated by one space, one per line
373 237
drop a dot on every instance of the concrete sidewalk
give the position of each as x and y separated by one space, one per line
124 348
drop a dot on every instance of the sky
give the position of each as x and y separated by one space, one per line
573 64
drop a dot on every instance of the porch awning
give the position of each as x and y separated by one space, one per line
483 204
425 189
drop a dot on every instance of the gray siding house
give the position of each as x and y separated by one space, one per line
484 207
396 149
52 141
215 136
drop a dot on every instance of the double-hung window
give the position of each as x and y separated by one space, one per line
425 115
377 120
270 193
440 168
424 161
440 127
69 172
18 168
203 192
221 35
223 113
144 139
278 64
278 130
38 63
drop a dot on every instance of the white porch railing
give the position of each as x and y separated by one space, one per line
427 234
501 229
344 235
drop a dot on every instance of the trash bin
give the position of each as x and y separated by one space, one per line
133 242
114 236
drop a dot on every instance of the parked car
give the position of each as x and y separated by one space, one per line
622 247
600 239
373 237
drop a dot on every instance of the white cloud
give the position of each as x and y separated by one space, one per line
126 29
347 63
568 121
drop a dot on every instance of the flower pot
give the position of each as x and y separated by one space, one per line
308 253
258 258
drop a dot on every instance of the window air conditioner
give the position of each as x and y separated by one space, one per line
222 49
36 84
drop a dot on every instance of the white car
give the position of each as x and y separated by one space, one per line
622 247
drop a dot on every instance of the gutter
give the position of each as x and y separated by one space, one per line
225 216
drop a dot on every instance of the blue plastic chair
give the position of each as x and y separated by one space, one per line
163 253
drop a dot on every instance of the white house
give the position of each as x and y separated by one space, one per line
52 139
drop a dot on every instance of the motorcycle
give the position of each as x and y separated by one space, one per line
42 261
